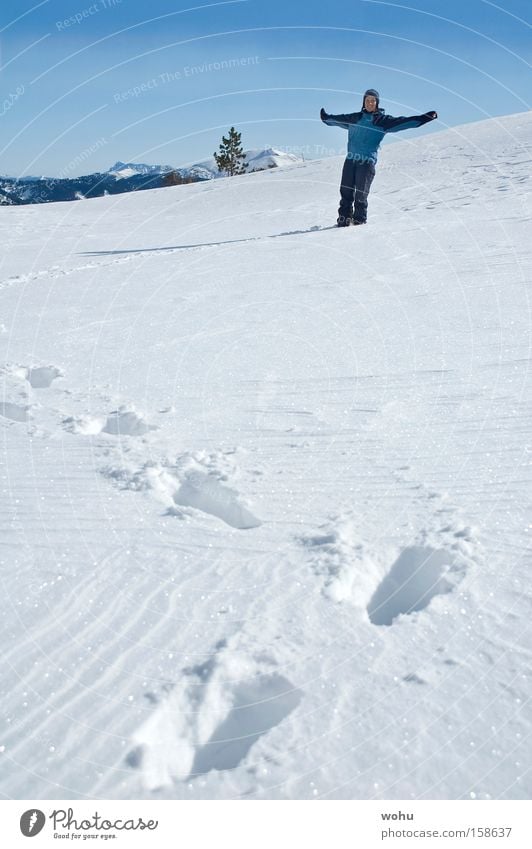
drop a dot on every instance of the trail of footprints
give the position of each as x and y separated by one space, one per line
216 711
38 377
191 481
20 380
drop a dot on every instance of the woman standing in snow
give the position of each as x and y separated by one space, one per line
366 130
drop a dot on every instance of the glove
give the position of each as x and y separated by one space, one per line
323 114
431 115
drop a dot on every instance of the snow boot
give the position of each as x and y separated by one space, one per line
343 221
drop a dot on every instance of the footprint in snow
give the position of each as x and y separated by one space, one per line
355 571
42 376
190 482
126 423
259 705
15 412
417 576
205 492
210 719
39 377
120 422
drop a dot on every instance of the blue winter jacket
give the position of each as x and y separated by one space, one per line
366 130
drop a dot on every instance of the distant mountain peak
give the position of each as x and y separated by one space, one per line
128 169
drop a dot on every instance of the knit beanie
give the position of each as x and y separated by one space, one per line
374 93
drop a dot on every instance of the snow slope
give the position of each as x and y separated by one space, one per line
266 487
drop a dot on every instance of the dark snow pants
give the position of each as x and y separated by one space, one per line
356 181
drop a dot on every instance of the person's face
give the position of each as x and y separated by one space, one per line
370 103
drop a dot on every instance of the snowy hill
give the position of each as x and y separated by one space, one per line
259 160
266 487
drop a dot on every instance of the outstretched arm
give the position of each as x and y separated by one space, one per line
394 125
337 120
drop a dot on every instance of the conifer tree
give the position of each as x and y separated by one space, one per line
230 157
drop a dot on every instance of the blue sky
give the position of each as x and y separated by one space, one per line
87 82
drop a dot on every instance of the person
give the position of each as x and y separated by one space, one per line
366 130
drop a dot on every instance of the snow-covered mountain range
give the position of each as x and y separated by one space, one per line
126 177
266 484
256 160
121 170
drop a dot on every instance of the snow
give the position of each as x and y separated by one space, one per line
266 484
